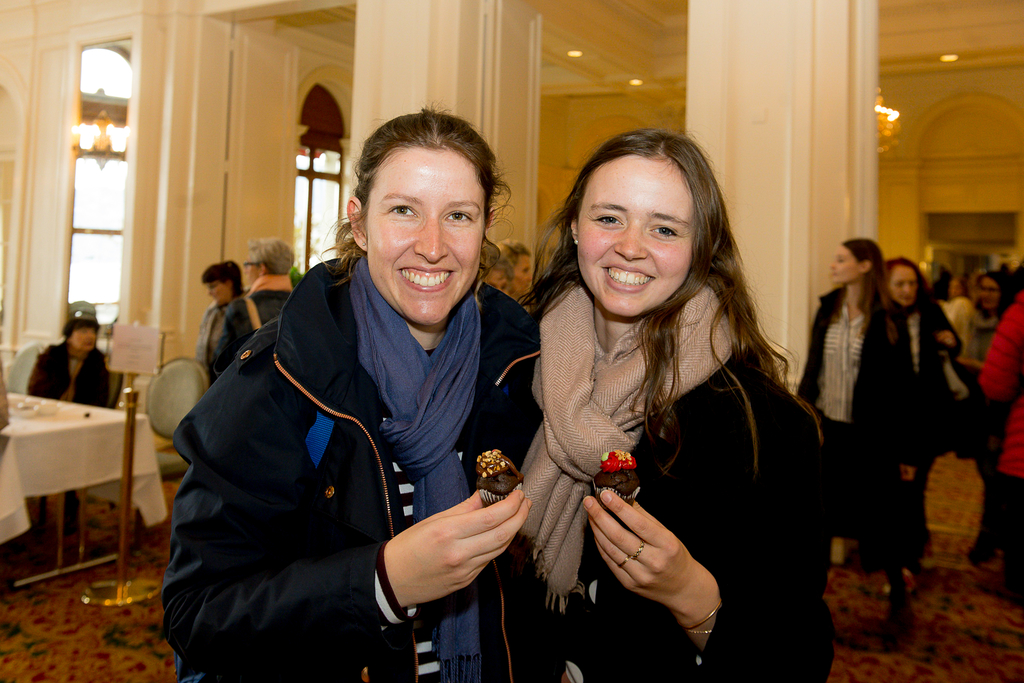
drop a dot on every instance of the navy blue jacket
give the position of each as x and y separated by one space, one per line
271 573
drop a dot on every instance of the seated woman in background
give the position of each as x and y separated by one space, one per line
74 370
224 284
650 343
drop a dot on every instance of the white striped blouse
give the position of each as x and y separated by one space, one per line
839 367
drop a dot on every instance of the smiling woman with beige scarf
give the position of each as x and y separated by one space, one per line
650 344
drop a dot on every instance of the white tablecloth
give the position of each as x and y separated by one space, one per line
70 451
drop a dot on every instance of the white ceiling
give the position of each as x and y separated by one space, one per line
646 39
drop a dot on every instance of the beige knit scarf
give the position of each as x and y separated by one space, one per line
588 397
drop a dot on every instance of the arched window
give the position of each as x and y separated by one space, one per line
318 177
101 174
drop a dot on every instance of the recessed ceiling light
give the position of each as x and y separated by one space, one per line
575 53
949 58
635 81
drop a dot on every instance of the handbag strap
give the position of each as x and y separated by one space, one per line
254 314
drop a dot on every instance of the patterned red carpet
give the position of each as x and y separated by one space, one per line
965 628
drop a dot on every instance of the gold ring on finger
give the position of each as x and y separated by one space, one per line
636 554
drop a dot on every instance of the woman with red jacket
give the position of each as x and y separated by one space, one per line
1000 379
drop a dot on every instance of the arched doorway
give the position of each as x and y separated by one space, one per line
955 200
318 180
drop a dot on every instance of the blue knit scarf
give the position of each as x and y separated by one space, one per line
429 398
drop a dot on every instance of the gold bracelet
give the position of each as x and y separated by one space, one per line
702 621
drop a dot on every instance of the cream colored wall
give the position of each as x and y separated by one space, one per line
10 130
961 149
776 96
478 59
571 128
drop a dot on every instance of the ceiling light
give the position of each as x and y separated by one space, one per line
949 58
575 53
635 81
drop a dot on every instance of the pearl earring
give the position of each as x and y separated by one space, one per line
576 242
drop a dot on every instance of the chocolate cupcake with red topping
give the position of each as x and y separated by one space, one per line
496 477
618 475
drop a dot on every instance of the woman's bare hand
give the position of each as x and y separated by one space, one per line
946 338
663 571
446 551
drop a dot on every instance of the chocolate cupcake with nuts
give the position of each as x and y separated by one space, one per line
618 474
496 477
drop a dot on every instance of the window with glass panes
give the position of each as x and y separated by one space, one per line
318 165
101 175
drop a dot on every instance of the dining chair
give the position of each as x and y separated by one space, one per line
175 389
21 367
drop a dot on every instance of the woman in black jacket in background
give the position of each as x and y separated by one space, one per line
928 411
852 371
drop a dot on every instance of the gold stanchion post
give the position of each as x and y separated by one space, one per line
123 591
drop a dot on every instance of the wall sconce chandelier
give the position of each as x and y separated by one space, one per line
100 140
888 125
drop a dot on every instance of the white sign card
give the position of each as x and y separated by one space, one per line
135 348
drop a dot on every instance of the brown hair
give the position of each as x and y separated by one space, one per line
875 291
715 263
428 129
225 272
924 292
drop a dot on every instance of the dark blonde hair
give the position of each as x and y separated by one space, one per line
433 130
715 263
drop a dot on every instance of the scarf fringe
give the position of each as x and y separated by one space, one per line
554 601
461 669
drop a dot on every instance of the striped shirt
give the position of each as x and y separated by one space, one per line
839 368
423 626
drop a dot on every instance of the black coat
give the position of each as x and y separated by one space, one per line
928 415
271 575
892 404
760 537
883 367
51 376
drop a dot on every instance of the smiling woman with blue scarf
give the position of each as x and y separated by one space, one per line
327 528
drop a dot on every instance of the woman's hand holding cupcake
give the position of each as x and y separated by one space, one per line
446 551
650 560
